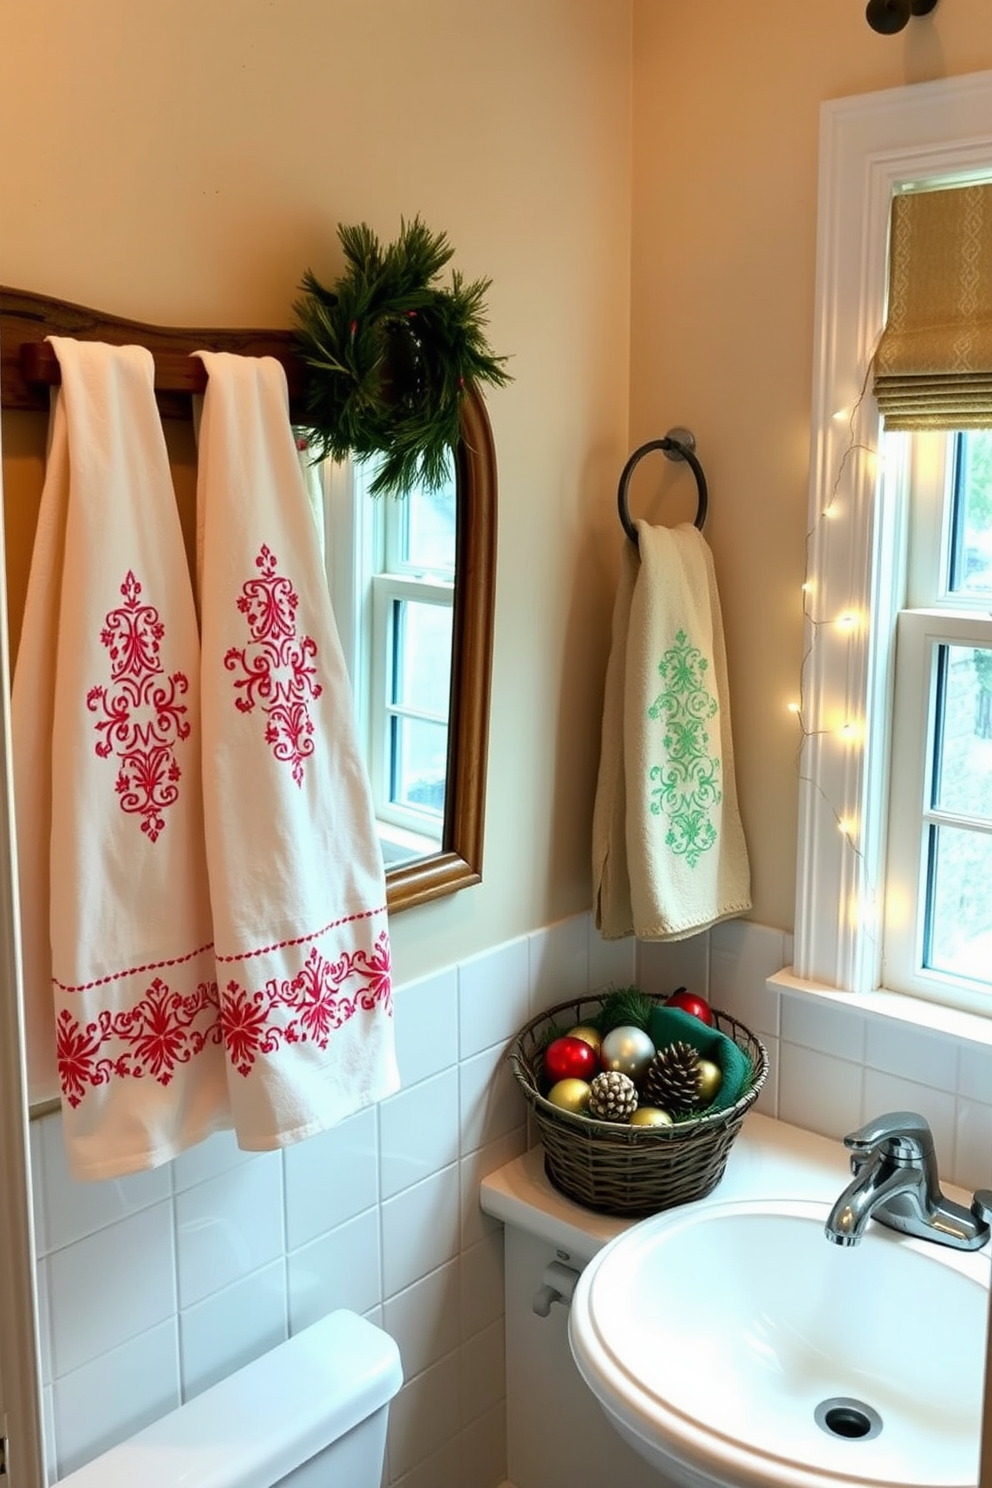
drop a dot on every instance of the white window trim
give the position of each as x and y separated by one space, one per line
355 542
869 147
20 1351
385 589
348 539
920 631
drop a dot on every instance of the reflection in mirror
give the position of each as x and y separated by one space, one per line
393 587
413 584
458 861
412 601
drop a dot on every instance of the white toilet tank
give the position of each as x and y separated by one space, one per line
311 1413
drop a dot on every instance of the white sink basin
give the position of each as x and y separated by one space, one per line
732 1344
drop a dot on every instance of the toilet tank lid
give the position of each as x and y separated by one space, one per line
263 1421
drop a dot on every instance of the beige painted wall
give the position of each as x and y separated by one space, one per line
726 119
186 163
188 172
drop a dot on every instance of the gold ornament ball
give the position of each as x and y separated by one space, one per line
570 1095
588 1034
650 1116
710 1080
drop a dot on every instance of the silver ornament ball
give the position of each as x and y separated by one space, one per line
628 1050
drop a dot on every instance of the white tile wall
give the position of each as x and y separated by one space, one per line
228 1227
350 1154
832 1065
153 1287
140 1377
111 1286
233 1326
425 1318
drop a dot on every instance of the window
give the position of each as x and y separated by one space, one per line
938 907
863 711
409 676
391 569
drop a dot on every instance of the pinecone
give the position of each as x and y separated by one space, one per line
613 1097
671 1080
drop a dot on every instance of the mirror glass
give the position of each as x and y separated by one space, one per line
391 574
420 619
457 862
413 585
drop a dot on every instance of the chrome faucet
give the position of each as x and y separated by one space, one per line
895 1181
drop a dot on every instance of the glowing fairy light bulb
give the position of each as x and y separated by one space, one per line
867 912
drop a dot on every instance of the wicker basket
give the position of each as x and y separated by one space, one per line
630 1170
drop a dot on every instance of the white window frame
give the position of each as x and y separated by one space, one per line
870 147
348 540
388 588
20 1351
360 541
921 631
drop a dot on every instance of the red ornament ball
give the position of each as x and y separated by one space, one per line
690 1002
569 1058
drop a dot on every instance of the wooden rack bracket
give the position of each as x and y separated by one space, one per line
29 366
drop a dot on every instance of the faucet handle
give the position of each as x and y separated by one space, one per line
981 1206
905 1134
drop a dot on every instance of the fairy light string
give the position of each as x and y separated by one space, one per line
850 731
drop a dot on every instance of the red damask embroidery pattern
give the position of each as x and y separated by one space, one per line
317 1001
276 668
164 1030
142 718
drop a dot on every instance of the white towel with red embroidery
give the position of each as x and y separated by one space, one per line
121 1000
297 885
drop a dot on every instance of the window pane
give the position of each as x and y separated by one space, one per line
419 525
430 529
962 766
419 764
971 549
421 656
958 928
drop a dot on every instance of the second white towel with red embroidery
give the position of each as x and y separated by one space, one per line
297 886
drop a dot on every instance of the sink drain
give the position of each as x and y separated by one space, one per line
851 1420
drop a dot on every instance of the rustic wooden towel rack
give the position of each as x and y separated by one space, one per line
29 366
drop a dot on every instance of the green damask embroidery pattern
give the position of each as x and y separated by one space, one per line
685 788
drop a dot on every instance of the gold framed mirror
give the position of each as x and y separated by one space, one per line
28 368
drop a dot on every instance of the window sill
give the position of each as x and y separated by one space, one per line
399 845
896 1007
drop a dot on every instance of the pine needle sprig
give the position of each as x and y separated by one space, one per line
391 355
624 1007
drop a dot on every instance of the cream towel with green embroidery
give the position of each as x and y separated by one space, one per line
669 856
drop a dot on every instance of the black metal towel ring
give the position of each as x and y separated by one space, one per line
678 444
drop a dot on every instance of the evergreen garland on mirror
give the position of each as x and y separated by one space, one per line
390 355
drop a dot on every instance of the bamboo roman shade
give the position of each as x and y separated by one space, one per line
933 366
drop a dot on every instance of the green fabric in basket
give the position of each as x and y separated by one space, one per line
671 1026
